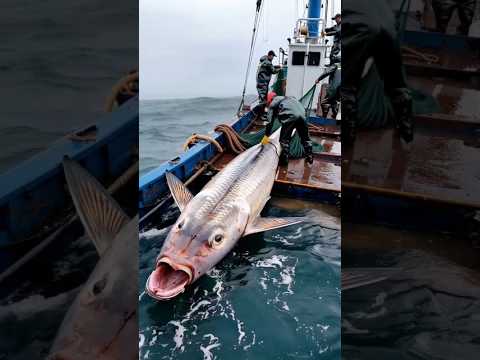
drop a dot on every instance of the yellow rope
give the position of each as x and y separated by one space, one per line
195 137
418 55
122 85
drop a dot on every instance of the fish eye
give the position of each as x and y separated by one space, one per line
99 286
180 224
216 240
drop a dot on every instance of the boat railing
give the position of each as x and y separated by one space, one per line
309 30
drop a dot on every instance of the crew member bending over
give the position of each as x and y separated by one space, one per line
291 114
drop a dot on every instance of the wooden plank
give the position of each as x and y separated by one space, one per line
435 167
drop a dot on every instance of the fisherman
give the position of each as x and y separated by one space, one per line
374 91
264 73
291 114
444 10
336 32
334 74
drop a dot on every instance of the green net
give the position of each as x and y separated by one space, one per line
280 82
307 99
375 109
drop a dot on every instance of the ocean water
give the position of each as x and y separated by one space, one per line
58 63
275 296
34 301
429 307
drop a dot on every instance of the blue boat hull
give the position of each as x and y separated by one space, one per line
153 187
34 197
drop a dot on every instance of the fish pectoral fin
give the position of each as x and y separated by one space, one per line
180 193
99 213
263 224
358 277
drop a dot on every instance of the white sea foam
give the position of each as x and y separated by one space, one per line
241 333
213 342
350 329
35 304
179 333
141 340
152 233
153 340
287 276
193 308
206 350
246 347
274 261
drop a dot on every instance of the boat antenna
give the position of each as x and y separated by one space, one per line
256 23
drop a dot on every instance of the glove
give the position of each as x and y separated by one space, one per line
265 140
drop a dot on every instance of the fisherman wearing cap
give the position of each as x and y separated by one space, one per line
291 114
264 74
336 32
332 98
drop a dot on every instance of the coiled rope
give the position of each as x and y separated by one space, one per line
235 143
123 85
194 139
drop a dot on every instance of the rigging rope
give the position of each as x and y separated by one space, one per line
256 24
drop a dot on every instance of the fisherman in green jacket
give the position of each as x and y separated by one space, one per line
334 74
291 114
336 32
374 91
264 74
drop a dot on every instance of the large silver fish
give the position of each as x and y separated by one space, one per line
211 223
102 322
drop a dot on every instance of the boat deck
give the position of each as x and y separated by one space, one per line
450 62
437 167
441 163
323 174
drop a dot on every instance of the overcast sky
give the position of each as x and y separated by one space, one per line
200 47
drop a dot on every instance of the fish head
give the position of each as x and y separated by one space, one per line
102 322
192 248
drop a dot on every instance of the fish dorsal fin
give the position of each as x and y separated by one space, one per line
100 214
180 193
263 224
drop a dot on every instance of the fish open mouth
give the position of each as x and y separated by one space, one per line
168 280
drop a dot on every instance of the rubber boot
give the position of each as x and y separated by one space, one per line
403 108
334 111
283 160
349 114
325 108
308 148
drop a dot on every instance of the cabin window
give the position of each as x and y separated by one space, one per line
314 58
298 58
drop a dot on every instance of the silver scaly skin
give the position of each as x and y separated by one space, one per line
212 222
